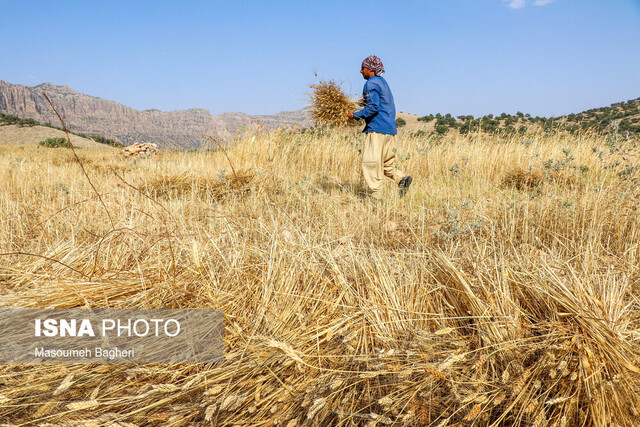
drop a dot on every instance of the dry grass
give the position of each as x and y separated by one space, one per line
472 301
329 104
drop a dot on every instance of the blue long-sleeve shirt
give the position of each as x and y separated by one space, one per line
380 111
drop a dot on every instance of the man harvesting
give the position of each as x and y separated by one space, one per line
379 113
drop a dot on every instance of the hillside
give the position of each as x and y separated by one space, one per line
619 117
96 116
30 135
413 124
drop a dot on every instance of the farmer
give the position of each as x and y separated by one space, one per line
379 113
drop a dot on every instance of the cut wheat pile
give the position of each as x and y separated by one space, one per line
492 294
329 104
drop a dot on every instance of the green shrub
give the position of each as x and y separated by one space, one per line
27 122
441 129
10 119
509 121
114 143
446 120
55 142
426 119
400 122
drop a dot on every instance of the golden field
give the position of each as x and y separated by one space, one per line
501 290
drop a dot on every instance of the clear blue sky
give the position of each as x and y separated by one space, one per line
544 57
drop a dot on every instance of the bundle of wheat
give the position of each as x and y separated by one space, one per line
330 105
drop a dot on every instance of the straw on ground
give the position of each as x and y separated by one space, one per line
505 293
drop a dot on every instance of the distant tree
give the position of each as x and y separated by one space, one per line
441 130
467 124
447 120
400 122
426 119
489 125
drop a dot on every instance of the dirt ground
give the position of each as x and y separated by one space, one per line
16 135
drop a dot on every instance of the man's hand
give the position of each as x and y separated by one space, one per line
361 102
350 114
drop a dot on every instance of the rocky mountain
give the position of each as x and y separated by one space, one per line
96 116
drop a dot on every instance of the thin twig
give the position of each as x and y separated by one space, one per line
64 126
141 192
44 257
225 153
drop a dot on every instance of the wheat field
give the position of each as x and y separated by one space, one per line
501 290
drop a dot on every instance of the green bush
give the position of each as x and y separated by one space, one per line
426 119
55 142
400 122
441 129
27 122
10 119
114 143
447 121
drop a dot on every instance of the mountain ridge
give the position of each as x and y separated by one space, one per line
89 114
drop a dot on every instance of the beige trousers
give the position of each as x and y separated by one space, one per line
378 161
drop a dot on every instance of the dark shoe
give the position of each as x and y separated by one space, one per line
404 184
